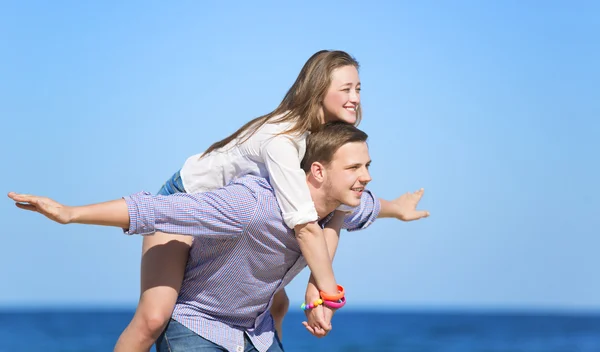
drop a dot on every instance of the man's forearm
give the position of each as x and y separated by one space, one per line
112 213
387 210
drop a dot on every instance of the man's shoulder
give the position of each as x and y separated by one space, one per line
261 190
255 184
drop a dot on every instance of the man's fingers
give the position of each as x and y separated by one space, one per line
18 197
319 332
316 331
419 214
23 198
26 206
308 327
417 195
325 326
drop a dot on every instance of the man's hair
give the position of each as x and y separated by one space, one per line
322 144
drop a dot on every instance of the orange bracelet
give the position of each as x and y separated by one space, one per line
335 297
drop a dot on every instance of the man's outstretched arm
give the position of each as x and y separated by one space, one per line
404 207
111 213
221 213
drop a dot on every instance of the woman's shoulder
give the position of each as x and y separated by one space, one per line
277 124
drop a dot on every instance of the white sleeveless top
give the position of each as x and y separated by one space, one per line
268 154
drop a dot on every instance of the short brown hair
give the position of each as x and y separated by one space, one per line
321 145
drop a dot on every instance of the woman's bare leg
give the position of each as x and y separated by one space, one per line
279 309
164 258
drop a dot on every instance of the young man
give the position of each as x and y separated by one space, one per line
242 252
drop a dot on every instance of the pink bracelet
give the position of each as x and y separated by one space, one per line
335 304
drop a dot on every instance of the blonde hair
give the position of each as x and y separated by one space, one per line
302 103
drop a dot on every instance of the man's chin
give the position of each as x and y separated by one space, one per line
353 203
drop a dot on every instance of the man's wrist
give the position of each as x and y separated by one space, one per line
73 214
312 294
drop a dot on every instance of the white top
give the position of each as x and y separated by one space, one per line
268 154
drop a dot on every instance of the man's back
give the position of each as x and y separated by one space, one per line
241 255
230 279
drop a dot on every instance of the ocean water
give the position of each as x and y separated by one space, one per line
97 330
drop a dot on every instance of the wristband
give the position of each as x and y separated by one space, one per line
305 306
333 297
335 304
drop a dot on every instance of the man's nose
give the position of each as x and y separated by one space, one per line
365 177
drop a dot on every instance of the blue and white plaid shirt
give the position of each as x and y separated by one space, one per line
241 255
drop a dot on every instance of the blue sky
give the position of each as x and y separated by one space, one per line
492 108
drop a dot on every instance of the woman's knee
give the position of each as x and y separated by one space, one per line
153 319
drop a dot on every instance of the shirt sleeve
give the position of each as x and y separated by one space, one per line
363 215
221 213
282 161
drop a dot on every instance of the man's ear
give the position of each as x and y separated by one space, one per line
317 170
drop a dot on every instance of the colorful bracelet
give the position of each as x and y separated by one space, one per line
335 304
305 306
334 297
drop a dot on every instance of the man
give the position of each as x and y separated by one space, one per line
242 252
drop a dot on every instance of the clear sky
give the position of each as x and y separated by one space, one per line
492 108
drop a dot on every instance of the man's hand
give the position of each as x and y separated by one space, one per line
319 320
51 209
404 207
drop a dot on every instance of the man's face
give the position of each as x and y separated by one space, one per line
348 173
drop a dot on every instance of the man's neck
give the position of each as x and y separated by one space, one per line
325 208
323 203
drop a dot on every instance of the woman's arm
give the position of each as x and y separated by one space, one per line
321 316
282 161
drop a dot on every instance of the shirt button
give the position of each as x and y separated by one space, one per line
240 349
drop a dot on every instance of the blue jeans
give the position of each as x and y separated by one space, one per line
173 185
178 338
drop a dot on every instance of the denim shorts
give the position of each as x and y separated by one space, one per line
173 185
178 338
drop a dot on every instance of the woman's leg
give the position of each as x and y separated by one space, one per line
279 309
164 258
163 265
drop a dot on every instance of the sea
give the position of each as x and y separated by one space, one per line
95 330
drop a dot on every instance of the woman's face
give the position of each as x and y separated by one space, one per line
343 96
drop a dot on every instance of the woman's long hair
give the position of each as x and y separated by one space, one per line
303 102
